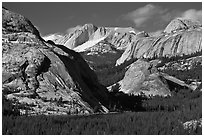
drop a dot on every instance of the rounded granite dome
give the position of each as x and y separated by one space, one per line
181 24
14 22
176 24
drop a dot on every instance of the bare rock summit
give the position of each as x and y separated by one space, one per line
45 77
178 39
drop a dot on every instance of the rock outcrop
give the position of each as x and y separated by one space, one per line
178 40
101 48
121 37
14 23
192 125
181 24
143 77
47 78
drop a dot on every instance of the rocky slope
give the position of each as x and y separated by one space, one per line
181 24
189 70
180 37
78 36
143 77
47 78
100 48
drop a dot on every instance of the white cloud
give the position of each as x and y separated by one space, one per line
193 15
158 17
143 14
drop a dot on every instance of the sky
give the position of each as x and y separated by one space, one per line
58 17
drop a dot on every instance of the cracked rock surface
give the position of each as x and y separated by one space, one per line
49 78
181 37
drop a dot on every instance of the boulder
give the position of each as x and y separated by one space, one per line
192 125
143 77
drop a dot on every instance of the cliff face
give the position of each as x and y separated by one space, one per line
143 77
177 39
48 78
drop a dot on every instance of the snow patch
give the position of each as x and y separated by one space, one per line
115 28
52 37
88 44
132 31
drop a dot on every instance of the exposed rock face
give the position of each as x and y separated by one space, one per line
143 76
139 78
50 78
192 124
89 44
171 44
92 35
121 37
101 48
142 34
77 37
101 41
12 22
181 24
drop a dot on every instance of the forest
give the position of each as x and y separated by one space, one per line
130 115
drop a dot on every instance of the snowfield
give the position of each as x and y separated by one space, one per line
88 44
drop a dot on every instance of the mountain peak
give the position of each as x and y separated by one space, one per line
13 22
181 24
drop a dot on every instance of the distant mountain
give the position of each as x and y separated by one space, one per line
181 37
89 35
46 78
96 43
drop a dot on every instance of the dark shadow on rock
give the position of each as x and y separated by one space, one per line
79 71
45 65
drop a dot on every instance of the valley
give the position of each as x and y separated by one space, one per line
101 80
